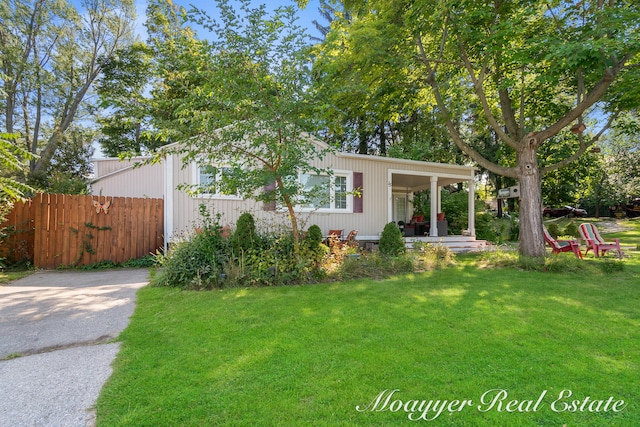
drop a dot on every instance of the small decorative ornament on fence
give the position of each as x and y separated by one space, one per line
104 207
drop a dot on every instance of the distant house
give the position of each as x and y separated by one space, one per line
385 192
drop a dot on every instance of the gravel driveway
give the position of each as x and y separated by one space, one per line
55 353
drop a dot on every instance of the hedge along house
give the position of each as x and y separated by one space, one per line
365 193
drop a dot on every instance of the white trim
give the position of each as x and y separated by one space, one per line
430 174
467 169
472 209
334 172
195 179
389 196
434 199
168 200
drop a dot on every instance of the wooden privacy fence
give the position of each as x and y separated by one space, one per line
64 230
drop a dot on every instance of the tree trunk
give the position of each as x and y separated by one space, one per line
531 236
292 212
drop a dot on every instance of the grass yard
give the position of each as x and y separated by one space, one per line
9 276
312 355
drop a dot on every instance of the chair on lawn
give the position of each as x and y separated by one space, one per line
594 240
558 246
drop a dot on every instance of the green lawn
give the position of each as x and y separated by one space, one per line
312 355
9 276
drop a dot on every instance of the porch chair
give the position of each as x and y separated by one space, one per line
333 238
558 246
335 234
351 238
594 240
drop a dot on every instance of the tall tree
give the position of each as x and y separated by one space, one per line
246 95
534 69
145 84
50 55
11 159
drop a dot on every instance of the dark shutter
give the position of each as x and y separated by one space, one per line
271 204
357 198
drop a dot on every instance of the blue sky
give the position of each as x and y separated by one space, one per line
306 15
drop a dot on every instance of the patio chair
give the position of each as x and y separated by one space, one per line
335 234
594 240
558 246
351 238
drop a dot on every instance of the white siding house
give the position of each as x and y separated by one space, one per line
386 186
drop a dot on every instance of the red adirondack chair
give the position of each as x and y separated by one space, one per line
591 236
558 246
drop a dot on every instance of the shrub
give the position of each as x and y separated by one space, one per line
554 230
486 227
514 231
197 262
244 238
372 266
571 230
313 238
391 241
430 257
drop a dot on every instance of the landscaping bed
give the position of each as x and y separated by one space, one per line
324 354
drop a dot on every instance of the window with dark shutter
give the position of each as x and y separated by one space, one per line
358 198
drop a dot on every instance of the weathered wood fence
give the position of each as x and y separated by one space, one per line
61 230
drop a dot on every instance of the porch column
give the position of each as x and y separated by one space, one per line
390 197
472 208
435 205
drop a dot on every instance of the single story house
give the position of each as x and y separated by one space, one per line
385 191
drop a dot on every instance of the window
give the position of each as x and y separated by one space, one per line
210 178
326 192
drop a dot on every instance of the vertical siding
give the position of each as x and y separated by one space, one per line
143 181
103 167
369 223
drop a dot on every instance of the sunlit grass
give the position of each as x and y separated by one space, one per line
309 355
9 276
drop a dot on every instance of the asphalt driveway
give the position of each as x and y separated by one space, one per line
55 350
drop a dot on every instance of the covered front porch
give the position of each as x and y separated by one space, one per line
403 184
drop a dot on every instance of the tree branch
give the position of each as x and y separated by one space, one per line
582 149
477 85
591 98
455 135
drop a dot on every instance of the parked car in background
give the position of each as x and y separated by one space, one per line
569 211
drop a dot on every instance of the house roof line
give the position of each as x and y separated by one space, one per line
405 161
118 171
325 146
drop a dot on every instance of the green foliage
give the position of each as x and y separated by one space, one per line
487 227
244 238
313 238
245 92
488 76
50 52
554 230
181 346
391 241
572 230
12 162
561 263
455 206
610 266
197 262
431 257
514 230
373 266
